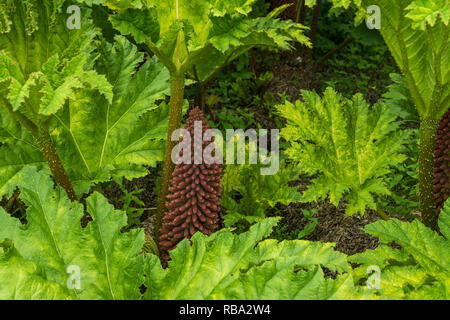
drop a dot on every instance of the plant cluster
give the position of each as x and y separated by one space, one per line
195 40
35 258
82 107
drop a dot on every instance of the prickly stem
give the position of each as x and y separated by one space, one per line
176 107
45 144
428 128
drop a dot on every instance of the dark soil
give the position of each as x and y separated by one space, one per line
347 232
148 196
333 226
293 73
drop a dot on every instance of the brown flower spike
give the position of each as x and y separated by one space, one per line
193 201
442 162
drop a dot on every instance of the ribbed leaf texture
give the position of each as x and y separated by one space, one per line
102 111
424 12
36 259
420 269
349 143
442 162
99 140
42 62
193 201
214 32
228 266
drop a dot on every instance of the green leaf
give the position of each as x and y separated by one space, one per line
53 241
99 139
233 216
304 254
118 270
24 279
399 100
45 61
231 37
273 281
18 92
54 98
310 227
43 67
190 275
429 249
207 34
381 256
417 35
140 24
258 192
17 151
116 4
424 12
244 269
419 270
103 114
350 144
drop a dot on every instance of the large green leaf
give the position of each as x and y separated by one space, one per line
227 266
351 144
104 115
99 139
43 62
273 281
234 36
210 33
429 249
47 71
39 255
425 13
419 270
23 279
17 151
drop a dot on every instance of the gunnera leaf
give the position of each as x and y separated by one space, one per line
229 266
418 270
347 143
42 258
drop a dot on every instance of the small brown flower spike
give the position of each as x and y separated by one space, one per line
442 163
193 201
